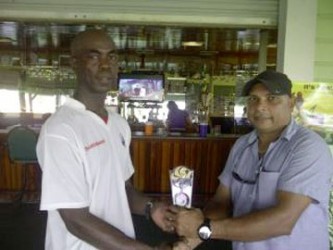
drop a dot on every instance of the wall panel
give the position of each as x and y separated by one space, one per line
323 64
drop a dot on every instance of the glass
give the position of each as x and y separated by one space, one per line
203 129
149 128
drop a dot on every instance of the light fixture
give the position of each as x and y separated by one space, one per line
192 44
272 45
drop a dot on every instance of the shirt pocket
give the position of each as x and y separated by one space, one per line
267 185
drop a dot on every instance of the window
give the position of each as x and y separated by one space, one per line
34 103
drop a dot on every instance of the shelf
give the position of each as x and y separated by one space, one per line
160 48
184 52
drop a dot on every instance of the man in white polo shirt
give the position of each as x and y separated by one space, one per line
83 151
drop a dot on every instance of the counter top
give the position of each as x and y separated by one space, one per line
140 134
183 135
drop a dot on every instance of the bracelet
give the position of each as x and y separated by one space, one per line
149 205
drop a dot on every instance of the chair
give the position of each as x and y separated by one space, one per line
21 144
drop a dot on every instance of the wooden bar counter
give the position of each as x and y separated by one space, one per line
152 156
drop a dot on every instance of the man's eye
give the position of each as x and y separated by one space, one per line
272 98
93 56
252 99
113 57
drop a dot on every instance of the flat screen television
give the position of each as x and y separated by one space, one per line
148 87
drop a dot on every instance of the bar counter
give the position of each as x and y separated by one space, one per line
152 156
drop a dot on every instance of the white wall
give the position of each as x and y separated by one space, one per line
296 40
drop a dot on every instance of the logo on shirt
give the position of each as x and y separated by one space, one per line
94 144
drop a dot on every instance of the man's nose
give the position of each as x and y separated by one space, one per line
105 62
262 103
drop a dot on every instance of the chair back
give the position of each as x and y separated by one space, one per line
21 143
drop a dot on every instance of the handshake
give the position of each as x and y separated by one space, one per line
180 218
188 223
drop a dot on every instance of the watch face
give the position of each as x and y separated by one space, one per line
205 232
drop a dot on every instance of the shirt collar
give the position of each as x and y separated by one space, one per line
75 104
70 102
290 130
287 133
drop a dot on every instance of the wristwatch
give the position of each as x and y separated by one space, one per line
148 207
204 230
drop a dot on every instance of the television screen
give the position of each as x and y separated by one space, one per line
141 87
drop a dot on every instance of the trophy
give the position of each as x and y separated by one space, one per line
181 181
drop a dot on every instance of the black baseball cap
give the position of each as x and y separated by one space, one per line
277 83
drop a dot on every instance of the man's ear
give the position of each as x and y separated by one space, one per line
292 101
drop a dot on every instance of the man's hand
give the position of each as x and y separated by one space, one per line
188 221
163 216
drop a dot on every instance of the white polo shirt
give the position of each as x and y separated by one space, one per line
85 163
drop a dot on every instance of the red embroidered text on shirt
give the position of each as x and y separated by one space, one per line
94 144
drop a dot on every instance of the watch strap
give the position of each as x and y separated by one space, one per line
206 223
148 207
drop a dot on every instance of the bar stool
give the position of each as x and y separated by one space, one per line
21 144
